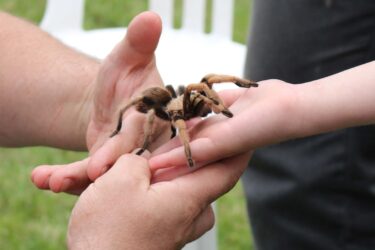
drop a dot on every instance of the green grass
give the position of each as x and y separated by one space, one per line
34 219
29 218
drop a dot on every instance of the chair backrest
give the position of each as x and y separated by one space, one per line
194 15
68 15
62 15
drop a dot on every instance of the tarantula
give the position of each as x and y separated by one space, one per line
196 100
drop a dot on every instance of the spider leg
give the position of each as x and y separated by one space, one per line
121 114
217 107
171 90
205 88
173 129
197 88
207 94
213 78
147 131
184 138
181 90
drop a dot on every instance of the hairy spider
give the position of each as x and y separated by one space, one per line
196 100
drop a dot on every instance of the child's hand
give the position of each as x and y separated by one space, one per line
261 116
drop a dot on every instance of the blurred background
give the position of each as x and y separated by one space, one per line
34 219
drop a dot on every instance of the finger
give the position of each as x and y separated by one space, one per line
168 174
209 142
209 183
106 156
135 50
131 170
41 174
175 142
140 41
192 122
230 96
161 133
202 150
70 178
167 147
203 223
114 147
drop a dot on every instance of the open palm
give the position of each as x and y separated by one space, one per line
260 118
128 70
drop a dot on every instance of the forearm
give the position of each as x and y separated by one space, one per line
44 88
338 101
276 112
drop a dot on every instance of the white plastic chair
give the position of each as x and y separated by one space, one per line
184 55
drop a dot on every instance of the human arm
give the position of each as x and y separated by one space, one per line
122 210
54 96
44 87
277 111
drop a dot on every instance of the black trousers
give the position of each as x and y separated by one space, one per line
317 192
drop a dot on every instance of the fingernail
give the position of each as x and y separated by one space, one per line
67 183
146 154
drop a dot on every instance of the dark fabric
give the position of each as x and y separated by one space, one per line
316 192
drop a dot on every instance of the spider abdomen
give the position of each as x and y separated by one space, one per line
154 98
156 95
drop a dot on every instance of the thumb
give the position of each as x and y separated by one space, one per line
230 96
129 170
140 42
135 51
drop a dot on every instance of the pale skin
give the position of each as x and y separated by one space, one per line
277 111
28 79
68 100
123 210
274 112
128 70
33 110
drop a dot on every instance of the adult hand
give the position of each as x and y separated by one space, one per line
128 70
123 210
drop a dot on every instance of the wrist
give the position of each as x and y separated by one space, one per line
285 121
83 108
74 110
83 116
312 111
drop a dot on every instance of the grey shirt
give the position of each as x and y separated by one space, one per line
316 192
